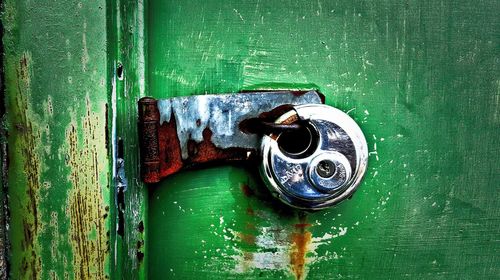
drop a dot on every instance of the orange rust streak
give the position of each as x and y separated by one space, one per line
170 148
250 211
300 242
250 226
247 191
302 225
206 151
247 238
298 255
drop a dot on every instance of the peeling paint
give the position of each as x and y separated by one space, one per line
291 249
219 114
184 132
49 231
85 52
270 244
86 157
29 136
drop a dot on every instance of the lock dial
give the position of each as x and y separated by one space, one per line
320 164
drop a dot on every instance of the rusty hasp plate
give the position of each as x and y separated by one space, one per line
183 132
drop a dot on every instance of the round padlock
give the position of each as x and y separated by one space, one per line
318 165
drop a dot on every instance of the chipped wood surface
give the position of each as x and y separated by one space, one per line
58 169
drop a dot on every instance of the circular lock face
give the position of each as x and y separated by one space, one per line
320 164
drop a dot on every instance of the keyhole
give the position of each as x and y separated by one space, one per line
325 168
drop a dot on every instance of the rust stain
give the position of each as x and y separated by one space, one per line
302 225
247 261
247 238
149 140
250 211
301 239
247 191
29 135
250 226
271 244
206 151
87 209
161 152
170 158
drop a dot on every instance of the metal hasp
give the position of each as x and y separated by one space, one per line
311 155
184 132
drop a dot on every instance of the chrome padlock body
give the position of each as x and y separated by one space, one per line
319 166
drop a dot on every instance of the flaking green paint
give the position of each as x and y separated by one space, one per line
55 78
420 77
86 205
27 155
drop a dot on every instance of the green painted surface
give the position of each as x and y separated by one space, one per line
422 80
126 41
58 174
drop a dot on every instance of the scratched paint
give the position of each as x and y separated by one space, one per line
29 131
291 249
86 203
251 240
58 175
421 78
126 48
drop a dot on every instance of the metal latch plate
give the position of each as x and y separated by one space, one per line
182 132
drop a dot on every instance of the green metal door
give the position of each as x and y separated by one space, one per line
421 78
